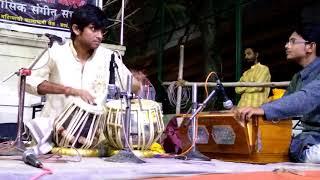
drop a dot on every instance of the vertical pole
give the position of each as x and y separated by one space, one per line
160 57
238 41
194 108
160 94
180 77
22 90
127 121
122 17
99 4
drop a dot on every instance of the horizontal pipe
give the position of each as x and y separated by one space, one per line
234 84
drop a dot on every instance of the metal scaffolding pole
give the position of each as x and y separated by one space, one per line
122 16
180 77
236 84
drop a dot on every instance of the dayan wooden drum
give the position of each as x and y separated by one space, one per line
146 123
79 125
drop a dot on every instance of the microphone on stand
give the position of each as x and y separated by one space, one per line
53 38
30 158
227 103
112 88
112 77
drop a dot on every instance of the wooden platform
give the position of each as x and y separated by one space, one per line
222 136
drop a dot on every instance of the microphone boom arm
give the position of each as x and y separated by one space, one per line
204 104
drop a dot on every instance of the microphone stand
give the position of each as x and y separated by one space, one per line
19 146
194 154
126 154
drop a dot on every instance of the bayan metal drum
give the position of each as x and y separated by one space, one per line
146 123
79 125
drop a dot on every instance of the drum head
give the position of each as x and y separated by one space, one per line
136 104
94 109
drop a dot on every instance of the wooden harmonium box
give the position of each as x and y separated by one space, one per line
222 136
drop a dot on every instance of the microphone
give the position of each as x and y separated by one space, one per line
227 103
112 77
112 88
53 38
29 157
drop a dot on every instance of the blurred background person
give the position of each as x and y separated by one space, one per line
259 73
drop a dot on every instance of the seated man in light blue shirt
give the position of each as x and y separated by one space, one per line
302 96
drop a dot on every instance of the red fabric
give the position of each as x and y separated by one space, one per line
307 175
172 142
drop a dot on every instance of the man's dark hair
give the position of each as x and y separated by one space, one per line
311 33
86 15
254 49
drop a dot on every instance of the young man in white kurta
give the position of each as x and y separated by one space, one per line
77 69
61 66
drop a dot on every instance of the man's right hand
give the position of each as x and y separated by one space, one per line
245 114
47 87
83 94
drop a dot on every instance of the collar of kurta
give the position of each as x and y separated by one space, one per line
253 66
75 54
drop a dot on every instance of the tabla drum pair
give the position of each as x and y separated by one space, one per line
80 125
145 128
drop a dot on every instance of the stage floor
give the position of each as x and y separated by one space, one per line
97 168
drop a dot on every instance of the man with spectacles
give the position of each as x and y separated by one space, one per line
253 96
302 96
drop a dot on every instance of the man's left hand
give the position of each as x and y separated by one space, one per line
246 113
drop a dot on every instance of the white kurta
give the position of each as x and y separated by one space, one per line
62 66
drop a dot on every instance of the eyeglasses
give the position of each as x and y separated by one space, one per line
294 41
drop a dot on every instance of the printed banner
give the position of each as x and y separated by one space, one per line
48 15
